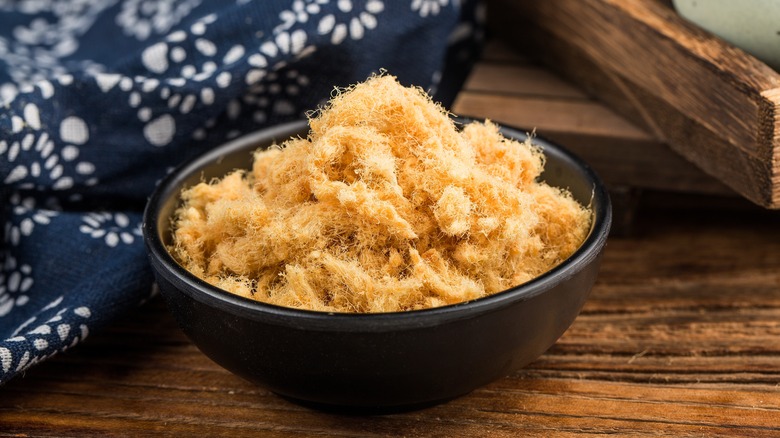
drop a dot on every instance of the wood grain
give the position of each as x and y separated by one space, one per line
681 336
520 80
712 103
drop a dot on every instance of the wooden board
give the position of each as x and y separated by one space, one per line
712 103
510 89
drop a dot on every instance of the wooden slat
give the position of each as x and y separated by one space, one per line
712 103
584 117
498 51
516 79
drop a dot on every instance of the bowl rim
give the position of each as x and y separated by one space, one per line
165 265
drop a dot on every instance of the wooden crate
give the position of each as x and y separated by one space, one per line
709 101
510 88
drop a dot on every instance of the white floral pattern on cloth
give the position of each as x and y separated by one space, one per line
54 325
36 50
429 7
346 22
142 18
113 228
100 99
39 161
30 214
15 281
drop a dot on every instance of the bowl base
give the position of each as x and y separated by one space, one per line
360 410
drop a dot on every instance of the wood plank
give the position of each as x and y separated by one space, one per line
513 79
584 117
498 51
711 102
751 420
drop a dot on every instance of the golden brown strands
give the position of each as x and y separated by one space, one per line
386 206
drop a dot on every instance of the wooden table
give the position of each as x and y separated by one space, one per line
681 334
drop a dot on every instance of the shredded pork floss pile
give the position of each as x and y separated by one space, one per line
386 206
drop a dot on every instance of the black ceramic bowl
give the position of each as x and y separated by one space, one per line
385 361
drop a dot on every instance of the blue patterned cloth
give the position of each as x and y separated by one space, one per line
100 99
